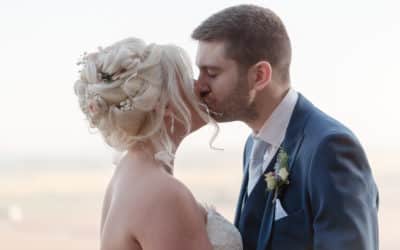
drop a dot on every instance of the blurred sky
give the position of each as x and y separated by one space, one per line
345 60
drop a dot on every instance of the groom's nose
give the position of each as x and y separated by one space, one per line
201 88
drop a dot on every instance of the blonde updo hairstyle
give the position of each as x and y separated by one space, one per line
124 90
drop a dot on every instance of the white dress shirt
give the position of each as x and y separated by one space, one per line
273 131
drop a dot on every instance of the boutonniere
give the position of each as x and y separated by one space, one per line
280 175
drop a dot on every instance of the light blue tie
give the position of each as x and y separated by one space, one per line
256 162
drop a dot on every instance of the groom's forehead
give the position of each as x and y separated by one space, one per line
210 54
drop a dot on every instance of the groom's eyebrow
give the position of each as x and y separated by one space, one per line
209 67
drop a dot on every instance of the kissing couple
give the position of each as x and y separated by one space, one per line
307 183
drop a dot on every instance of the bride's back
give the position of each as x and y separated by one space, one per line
147 208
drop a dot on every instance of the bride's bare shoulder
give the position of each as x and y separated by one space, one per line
146 185
139 194
152 202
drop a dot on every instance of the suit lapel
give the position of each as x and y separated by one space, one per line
239 206
243 188
291 144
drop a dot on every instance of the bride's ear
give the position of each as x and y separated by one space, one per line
169 114
168 110
169 118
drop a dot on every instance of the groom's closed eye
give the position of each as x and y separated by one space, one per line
212 73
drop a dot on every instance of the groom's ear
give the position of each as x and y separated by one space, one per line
259 76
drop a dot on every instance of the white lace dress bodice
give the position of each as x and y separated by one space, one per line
222 234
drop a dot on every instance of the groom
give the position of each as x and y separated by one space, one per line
330 201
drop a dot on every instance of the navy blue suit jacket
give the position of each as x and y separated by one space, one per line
332 199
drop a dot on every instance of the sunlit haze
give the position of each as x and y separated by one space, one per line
344 60
54 169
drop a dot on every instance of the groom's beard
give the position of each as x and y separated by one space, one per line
237 106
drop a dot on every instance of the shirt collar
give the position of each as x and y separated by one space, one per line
274 129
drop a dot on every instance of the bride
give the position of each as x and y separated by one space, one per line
140 97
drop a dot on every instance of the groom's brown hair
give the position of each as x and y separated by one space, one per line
251 34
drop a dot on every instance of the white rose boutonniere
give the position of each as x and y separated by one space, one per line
280 176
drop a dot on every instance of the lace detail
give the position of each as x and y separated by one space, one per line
223 235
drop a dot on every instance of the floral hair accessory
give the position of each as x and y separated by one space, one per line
124 76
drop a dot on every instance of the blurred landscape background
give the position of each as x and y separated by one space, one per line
58 206
54 170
